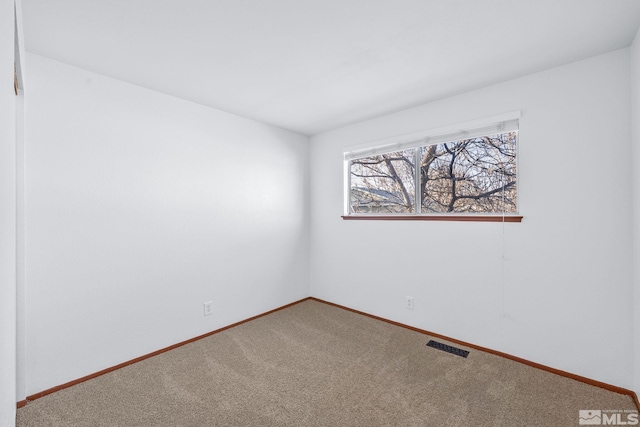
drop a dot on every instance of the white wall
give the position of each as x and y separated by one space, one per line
7 219
20 132
139 207
635 130
562 297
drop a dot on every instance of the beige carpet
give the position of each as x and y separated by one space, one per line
313 364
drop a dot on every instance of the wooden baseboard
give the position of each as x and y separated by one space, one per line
582 379
146 356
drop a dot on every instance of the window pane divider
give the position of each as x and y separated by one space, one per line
417 203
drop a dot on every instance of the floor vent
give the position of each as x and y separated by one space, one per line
448 348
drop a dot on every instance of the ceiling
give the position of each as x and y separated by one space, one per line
315 65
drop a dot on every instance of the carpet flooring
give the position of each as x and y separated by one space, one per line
313 364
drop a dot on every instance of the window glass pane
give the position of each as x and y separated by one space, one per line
476 175
383 183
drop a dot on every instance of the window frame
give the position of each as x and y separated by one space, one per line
489 126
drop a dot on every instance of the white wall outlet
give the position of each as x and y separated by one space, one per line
409 303
208 308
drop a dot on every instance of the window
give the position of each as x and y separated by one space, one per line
471 173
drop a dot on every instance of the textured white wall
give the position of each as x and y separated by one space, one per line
562 296
7 219
635 130
140 207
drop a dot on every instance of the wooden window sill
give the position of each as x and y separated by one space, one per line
468 218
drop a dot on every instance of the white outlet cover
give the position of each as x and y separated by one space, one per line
410 303
208 308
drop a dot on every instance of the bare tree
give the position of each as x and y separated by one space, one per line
476 175
383 183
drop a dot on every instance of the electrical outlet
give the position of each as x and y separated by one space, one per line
208 308
409 304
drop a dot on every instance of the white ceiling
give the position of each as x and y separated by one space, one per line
315 65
